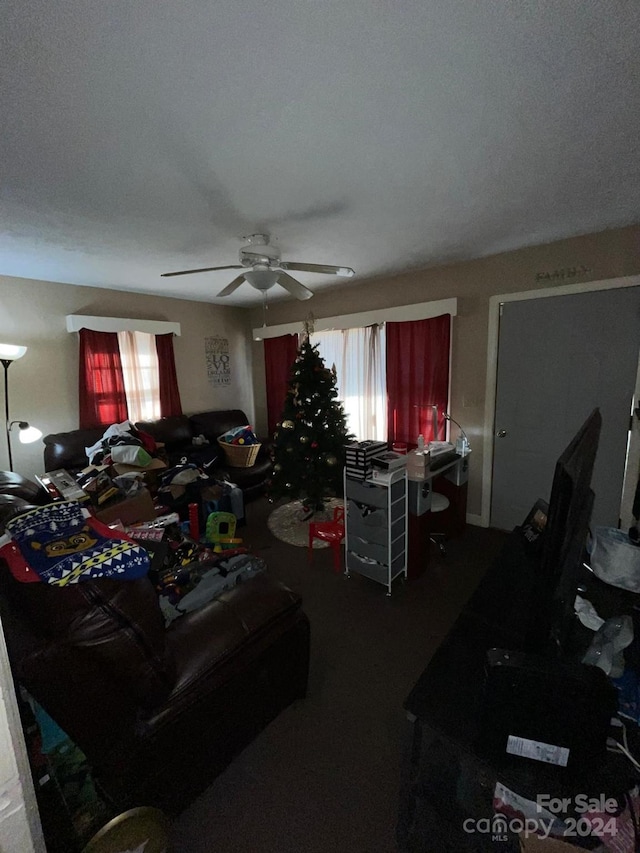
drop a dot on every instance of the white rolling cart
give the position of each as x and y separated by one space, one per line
376 526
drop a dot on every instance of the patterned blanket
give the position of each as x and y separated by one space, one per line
61 544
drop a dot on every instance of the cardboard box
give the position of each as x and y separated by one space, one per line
130 510
417 465
154 465
151 473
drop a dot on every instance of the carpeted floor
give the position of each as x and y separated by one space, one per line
324 776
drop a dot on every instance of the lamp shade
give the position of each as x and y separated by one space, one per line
11 352
29 434
26 432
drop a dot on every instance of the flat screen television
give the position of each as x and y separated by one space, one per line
565 537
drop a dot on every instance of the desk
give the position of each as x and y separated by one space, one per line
450 480
446 778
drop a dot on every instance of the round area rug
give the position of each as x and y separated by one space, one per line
290 522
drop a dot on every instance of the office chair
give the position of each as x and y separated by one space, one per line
331 532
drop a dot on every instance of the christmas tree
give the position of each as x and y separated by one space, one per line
309 442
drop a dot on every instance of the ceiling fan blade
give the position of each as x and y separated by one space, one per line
206 269
294 287
324 268
233 285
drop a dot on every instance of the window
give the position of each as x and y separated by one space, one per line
126 375
141 375
404 357
359 358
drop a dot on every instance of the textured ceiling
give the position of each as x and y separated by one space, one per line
143 136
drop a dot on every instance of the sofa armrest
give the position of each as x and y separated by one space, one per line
266 448
204 642
67 449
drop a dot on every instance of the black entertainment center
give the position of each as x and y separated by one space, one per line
507 685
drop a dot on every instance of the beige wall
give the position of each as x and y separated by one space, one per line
606 255
43 384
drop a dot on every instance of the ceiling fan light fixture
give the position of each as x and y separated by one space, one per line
261 279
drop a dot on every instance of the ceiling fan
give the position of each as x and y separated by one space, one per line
264 268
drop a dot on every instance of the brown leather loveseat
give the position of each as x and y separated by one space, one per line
158 712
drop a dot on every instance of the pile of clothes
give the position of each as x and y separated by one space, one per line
123 444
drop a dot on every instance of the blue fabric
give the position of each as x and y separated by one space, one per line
62 546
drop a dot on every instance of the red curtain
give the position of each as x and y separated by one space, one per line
417 377
279 355
169 394
102 397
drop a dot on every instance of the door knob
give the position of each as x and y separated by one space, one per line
502 433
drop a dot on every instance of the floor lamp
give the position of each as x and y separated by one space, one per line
8 354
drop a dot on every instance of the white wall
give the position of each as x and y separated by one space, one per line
20 830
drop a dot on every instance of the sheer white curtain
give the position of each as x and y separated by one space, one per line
359 357
141 377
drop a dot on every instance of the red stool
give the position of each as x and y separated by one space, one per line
331 532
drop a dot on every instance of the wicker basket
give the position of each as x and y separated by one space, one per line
240 455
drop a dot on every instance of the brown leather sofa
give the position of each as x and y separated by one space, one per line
158 712
67 449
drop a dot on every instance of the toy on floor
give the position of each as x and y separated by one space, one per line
221 531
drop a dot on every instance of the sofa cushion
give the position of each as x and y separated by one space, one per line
213 424
174 432
206 642
118 625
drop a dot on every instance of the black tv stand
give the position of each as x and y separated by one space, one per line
447 777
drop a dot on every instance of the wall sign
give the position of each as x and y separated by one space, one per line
563 274
218 362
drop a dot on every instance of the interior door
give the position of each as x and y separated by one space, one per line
558 358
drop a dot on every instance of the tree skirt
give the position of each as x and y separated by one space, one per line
290 523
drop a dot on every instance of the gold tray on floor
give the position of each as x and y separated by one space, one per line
142 829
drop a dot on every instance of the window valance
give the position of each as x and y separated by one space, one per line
75 322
